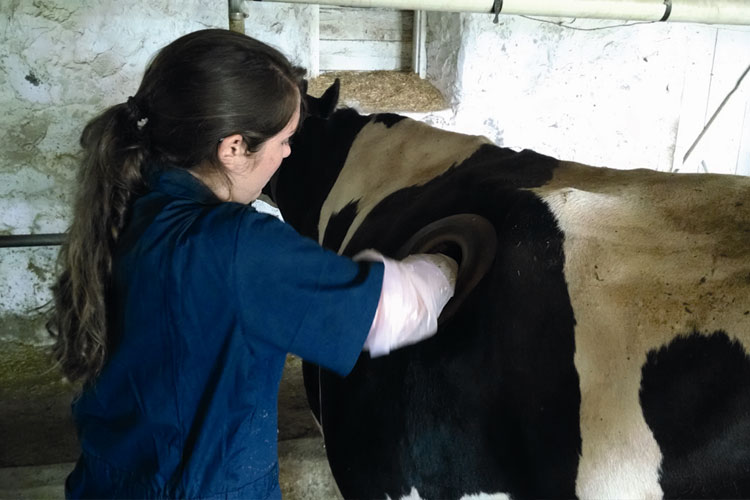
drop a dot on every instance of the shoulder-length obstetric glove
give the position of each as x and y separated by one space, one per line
415 290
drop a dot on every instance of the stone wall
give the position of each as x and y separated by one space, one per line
622 96
592 91
61 62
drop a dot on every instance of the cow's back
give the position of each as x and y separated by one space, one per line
605 353
658 270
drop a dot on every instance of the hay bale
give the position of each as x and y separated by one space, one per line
382 91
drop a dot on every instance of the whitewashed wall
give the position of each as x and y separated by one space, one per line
61 62
291 28
622 97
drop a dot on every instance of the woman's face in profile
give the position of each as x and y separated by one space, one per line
247 183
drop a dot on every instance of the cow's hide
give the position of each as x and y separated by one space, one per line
604 355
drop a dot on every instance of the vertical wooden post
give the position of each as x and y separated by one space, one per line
419 51
313 71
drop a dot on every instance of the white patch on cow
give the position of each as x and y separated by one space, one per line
383 160
414 495
648 256
486 496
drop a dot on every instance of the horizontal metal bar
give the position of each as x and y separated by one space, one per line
31 240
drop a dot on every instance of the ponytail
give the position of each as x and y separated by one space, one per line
191 102
115 150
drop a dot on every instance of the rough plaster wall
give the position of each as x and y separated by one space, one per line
61 62
443 46
605 96
291 28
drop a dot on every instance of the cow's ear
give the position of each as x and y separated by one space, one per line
325 105
329 100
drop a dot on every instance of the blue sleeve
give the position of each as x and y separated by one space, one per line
302 298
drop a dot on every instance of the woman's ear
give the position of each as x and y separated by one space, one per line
233 152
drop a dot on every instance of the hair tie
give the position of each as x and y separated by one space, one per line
133 107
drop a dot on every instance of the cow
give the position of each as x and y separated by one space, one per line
605 352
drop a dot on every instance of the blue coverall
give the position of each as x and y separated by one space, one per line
206 300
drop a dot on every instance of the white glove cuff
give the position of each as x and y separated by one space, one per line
414 292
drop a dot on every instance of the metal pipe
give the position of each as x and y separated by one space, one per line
31 240
236 16
695 11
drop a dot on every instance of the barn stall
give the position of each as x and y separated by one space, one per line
613 85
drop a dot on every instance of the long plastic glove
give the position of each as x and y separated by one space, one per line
415 290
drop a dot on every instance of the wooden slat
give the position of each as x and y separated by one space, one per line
743 157
364 56
365 24
722 141
694 108
419 46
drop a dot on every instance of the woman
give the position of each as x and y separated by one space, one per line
177 301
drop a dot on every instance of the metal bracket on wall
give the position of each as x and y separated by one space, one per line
497 6
236 16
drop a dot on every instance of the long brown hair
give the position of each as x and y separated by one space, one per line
202 87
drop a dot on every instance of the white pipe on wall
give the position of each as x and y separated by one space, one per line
695 11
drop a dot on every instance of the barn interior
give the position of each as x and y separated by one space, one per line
619 88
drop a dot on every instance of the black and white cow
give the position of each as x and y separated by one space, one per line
605 354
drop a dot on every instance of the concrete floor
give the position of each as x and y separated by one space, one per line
38 446
303 474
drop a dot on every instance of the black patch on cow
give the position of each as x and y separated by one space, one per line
320 149
338 225
491 404
695 394
505 168
388 119
486 184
